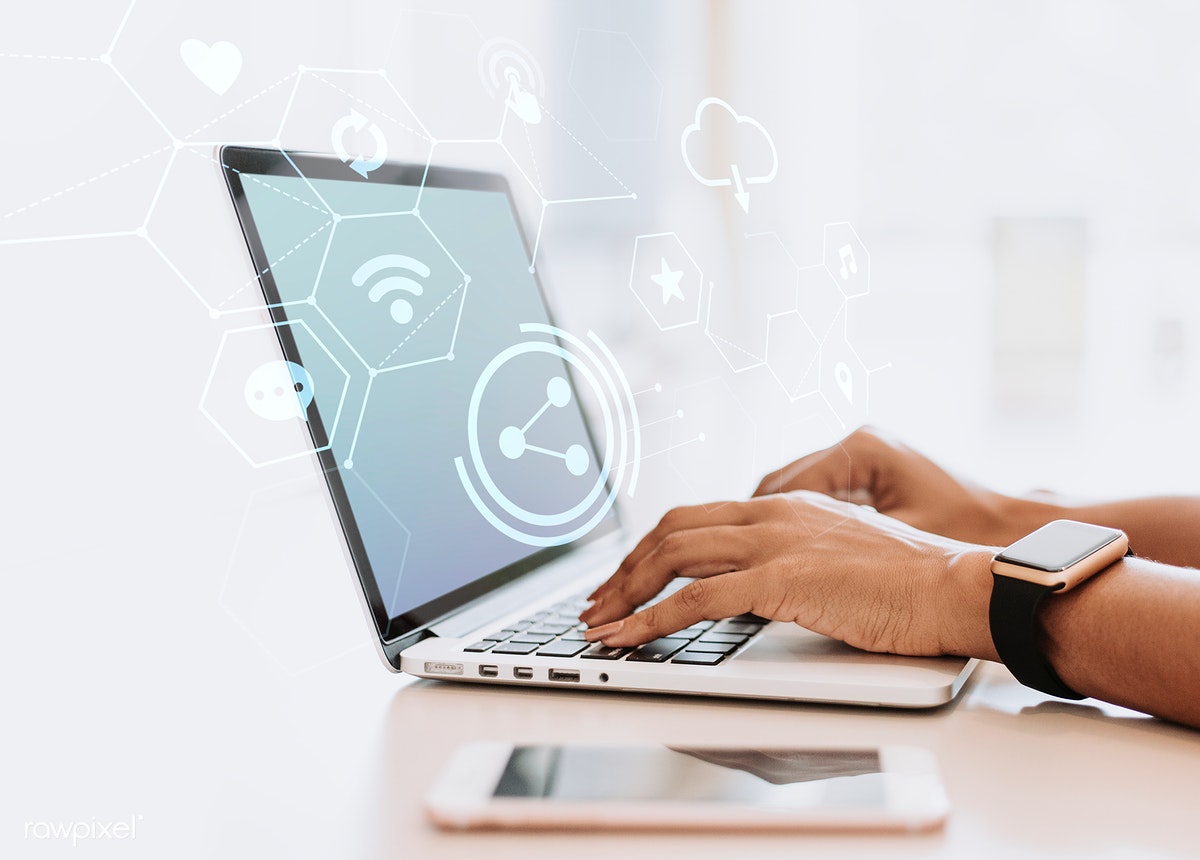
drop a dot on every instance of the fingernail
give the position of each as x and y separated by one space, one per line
604 630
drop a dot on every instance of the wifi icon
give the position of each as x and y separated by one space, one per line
401 308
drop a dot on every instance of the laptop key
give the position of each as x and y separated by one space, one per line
535 638
501 635
562 648
574 636
657 651
735 638
737 627
692 657
549 629
600 651
515 648
481 645
713 647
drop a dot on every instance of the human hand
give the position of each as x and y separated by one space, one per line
830 566
873 469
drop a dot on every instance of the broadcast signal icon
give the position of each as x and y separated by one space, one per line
401 308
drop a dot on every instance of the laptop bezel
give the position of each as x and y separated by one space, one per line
395 633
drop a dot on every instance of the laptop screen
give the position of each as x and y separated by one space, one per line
437 390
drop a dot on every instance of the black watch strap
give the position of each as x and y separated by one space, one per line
1013 617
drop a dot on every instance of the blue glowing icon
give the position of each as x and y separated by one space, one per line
279 390
401 308
513 442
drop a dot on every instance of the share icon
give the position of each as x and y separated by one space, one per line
513 443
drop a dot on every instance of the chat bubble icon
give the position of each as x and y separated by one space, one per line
279 390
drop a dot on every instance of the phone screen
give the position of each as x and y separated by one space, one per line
792 778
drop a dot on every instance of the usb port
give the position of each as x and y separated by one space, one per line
563 675
523 673
489 671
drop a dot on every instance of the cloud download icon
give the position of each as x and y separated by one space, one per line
751 139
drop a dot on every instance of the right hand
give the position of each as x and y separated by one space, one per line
872 469
834 568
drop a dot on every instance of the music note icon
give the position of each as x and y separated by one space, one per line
849 264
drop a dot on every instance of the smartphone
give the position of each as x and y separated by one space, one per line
495 785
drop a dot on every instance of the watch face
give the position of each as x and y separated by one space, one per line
1058 545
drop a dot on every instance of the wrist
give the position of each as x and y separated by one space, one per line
967 594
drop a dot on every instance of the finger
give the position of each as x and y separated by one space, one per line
716 597
694 553
844 470
676 519
823 471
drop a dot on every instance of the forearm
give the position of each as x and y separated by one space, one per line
1163 528
1130 635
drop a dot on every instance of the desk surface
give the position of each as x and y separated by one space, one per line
1028 777
229 760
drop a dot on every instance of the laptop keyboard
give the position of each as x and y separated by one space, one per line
558 632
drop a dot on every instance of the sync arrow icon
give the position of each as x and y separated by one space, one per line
354 121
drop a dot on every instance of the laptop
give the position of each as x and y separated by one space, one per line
451 420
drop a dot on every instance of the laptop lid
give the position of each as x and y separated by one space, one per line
440 398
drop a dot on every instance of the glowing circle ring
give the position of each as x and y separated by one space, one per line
608 394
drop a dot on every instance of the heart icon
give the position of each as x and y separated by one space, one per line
216 67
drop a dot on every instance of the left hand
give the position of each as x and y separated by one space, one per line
833 567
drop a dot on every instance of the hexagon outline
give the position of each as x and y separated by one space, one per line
822 336
758 361
638 296
853 401
233 616
816 360
749 420
588 108
825 258
407 534
224 432
314 73
805 522
463 288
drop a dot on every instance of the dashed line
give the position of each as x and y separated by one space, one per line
716 336
259 181
79 185
794 394
591 154
238 107
371 107
533 157
284 193
48 57
275 263
418 328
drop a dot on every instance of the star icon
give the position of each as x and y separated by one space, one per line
669 281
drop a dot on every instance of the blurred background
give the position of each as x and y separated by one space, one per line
1015 182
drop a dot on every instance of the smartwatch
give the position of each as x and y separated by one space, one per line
1053 559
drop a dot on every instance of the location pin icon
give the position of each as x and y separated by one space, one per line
845 380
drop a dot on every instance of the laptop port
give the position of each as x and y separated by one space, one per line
489 671
563 675
525 674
